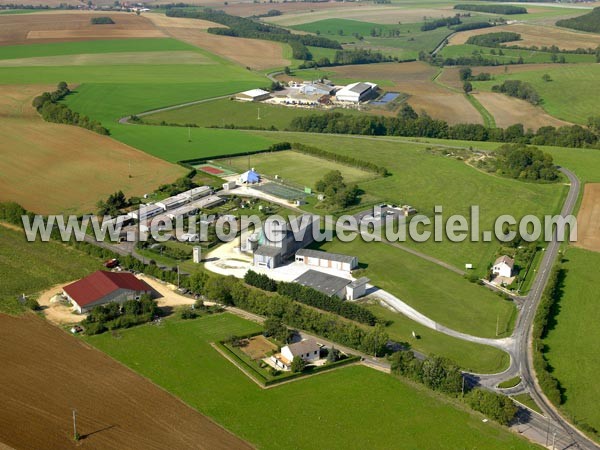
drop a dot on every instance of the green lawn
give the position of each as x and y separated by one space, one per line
31 267
364 407
432 290
573 338
296 167
423 179
224 112
582 82
529 56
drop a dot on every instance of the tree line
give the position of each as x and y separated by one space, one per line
311 297
519 89
472 26
424 126
588 22
493 9
350 56
439 23
52 111
493 39
442 375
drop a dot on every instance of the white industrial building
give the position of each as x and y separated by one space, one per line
253 95
319 258
173 202
356 92
197 192
146 212
333 286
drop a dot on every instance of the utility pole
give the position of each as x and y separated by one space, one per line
258 116
75 434
463 385
177 276
189 134
497 323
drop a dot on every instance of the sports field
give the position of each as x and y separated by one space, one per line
581 81
73 168
349 399
574 331
304 170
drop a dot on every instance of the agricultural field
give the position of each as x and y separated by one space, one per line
63 156
588 218
37 401
415 168
296 167
536 35
348 399
72 26
581 81
254 53
574 331
31 267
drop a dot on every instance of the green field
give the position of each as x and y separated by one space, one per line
366 408
573 338
529 56
31 267
297 167
582 82
225 112
423 179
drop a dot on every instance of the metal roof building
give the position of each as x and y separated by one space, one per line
356 92
319 258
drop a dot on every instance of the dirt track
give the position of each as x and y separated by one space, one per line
45 373
588 218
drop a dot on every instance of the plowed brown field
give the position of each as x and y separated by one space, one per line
588 218
46 373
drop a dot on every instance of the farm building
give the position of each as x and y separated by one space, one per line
503 267
315 88
333 286
103 287
306 349
197 192
253 95
146 212
325 259
250 177
173 202
356 92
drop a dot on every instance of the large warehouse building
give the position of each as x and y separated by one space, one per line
356 92
103 287
334 286
318 258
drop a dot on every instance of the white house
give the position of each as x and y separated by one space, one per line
503 267
306 349
356 92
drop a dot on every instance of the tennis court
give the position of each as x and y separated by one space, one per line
213 169
281 191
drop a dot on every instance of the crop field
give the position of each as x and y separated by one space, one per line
441 295
535 35
254 53
420 178
62 156
575 332
509 110
76 26
415 79
50 373
588 218
296 167
509 54
581 81
348 399
30 267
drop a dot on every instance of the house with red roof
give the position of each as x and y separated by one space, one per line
103 287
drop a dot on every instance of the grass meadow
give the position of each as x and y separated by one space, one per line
572 95
31 267
574 335
344 406
509 54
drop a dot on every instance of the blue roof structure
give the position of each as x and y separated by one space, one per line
250 177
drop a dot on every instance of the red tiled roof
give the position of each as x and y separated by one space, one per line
99 284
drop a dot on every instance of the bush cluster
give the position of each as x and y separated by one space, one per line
113 316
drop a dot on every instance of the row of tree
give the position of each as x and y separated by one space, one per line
424 126
52 111
493 9
439 23
442 375
493 39
350 56
312 297
472 26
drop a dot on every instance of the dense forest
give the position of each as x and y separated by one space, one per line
439 23
588 22
493 39
493 9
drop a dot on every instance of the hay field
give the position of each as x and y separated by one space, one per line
75 26
50 372
509 110
536 35
415 79
588 218
254 53
51 168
